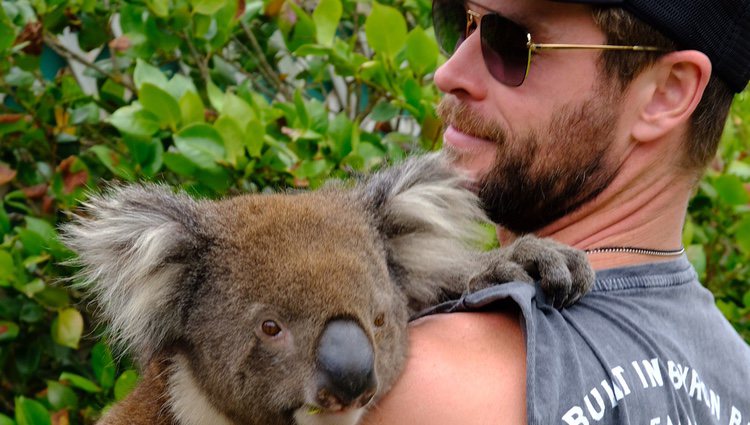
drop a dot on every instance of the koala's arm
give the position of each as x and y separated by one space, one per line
564 272
147 403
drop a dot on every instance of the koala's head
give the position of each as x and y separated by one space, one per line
277 306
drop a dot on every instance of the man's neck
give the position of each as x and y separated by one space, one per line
644 207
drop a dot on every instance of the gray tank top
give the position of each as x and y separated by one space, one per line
647 346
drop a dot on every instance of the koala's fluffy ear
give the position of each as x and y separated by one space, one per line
133 244
429 221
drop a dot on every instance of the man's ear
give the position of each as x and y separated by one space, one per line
669 92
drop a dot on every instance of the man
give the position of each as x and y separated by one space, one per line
598 147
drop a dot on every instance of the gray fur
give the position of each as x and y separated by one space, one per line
187 285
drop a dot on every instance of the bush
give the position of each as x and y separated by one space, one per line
223 97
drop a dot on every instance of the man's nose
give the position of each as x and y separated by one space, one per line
464 74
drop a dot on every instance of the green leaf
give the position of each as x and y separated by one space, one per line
179 164
31 412
19 78
159 7
303 116
384 111
202 145
149 154
740 169
314 168
61 396
232 135
326 17
114 162
4 420
112 92
134 120
4 221
303 31
39 236
161 104
731 190
53 297
67 328
374 72
215 95
178 85
191 108
103 365
31 312
125 384
237 108
30 289
254 134
207 7
145 73
7 32
385 29
8 331
79 382
742 235
7 269
29 357
421 51
413 95
90 34
697 256
746 299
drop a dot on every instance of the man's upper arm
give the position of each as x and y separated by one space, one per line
463 368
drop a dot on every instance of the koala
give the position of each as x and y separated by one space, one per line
282 309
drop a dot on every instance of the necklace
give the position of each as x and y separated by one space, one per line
635 250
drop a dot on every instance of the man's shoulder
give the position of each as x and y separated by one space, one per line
462 368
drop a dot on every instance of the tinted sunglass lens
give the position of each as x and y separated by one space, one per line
504 49
449 21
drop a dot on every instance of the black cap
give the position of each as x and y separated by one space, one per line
718 28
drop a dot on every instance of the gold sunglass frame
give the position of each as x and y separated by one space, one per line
474 19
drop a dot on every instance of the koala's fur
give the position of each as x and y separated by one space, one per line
188 287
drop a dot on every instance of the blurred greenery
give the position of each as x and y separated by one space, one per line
223 97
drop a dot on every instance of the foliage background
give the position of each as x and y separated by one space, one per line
223 97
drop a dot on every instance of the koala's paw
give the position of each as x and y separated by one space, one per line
498 268
564 272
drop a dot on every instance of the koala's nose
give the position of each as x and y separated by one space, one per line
346 367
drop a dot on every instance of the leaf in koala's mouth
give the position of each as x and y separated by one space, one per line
314 410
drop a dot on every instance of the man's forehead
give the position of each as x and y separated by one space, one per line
526 8
538 16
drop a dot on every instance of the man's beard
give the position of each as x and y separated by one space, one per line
547 173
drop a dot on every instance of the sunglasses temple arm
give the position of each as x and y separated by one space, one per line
538 46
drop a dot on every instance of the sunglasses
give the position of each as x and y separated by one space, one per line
506 46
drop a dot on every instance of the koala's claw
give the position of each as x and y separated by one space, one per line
564 272
499 271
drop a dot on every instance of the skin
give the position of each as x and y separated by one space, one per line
470 367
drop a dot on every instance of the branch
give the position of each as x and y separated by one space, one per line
202 68
68 54
268 75
248 75
263 62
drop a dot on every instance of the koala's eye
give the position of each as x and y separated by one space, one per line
380 320
270 328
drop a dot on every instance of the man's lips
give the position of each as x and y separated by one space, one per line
461 141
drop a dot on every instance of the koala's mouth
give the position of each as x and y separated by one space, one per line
310 414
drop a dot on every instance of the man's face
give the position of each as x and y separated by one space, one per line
538 151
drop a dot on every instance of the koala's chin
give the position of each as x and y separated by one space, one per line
288 308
